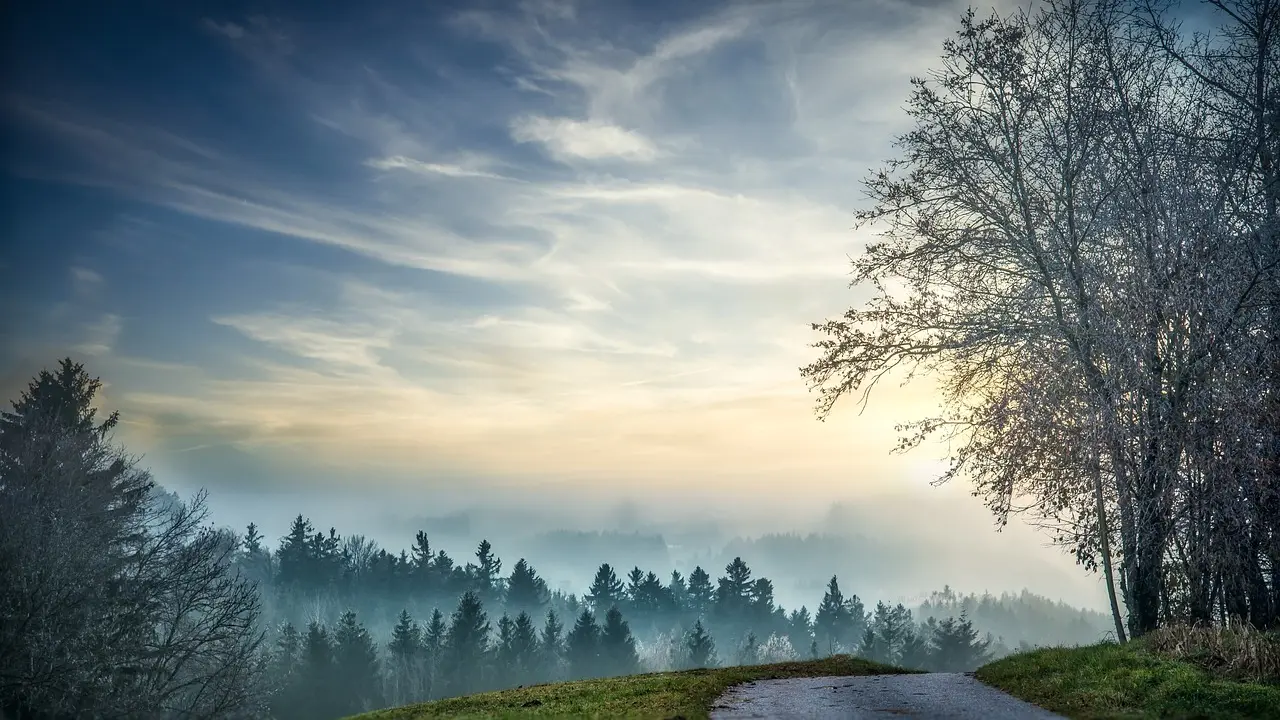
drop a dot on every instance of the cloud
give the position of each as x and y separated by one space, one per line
568 139
99 336
650 277
85 281
399 162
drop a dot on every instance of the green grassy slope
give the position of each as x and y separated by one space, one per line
687 694
1110 681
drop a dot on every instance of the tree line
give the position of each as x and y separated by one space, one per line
334 671
117 599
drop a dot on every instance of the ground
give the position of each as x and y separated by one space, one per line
1110 681
1088 683
687 694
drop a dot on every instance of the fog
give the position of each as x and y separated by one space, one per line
884 545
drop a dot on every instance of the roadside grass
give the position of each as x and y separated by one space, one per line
1131 681
686 694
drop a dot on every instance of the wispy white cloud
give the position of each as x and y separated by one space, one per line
399 162
99 336
573 139
85 281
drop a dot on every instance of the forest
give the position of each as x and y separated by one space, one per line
120 598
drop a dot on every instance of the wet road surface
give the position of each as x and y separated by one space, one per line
931 696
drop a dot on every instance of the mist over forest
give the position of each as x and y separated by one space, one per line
880 542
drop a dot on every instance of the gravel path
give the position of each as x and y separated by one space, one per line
936 696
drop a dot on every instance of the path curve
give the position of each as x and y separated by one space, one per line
935 696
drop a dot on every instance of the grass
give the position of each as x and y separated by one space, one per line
686 694
1131 681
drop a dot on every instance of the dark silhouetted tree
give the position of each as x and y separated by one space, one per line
617 646
466 646
700 648
606 589
582 647
356 665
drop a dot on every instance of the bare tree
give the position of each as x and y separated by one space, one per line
1062 246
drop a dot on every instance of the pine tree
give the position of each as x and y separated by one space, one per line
870 646
701 594
800 628
488 568
678 590
582 647
552 646
526 592
406 661
700 648
956 647
284 670
606 589
617 646
504 660
526 652
254 560
914 653
420 564
356 663
316 691
832 620
434 637
466 646
733 595
761 601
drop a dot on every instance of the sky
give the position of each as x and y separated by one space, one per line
464 253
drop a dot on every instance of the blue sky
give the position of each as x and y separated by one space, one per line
460 246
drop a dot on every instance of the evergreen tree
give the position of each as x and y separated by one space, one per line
420 564
293 557
406 662
700 649
356 664
855 617
635 591
525 651
870 646
606 589
434 638
316 691
504 660
466 646
701 594
914 652
526 592
733 595
488 569
582 647
890 624
286 662
678 590
617 646
831 623
254 560
552 645
956 647
800 628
